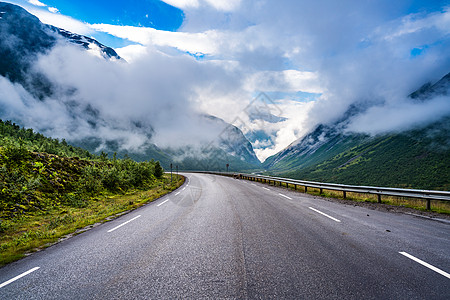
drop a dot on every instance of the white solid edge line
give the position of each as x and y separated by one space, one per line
162 202
266 188
322 213
111 230
18 277
285 196
426 264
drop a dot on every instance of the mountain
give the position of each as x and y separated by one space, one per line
229 147
418 158
428 90
323 143
23 38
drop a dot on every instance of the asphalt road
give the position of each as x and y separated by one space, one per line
219 237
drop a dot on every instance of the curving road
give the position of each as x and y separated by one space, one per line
218 237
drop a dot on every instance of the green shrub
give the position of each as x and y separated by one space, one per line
159 171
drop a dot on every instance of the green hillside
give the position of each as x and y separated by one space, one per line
414 159
38 173
49 189
308 154
13 135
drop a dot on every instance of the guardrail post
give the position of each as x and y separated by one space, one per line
379 191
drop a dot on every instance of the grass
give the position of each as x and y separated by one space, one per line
32 232
442 207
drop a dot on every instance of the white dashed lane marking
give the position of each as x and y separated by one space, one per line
324 214
117 227
18 277
437 270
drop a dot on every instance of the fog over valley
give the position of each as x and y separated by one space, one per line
313 62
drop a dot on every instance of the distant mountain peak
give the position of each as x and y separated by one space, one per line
88 43
428 90
23 37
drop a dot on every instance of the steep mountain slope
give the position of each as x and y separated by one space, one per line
428 90
23 38
229 147
418 158
323 143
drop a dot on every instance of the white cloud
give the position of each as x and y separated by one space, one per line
223 5
277 46
132 52
153 89
284 81
183 3
53 10
294 127
188 42
399 116
61 21
51 16
36 2
415 23
294 46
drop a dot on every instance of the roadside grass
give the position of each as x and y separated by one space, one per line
35 231
442 207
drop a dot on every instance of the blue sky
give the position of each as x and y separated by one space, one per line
315 58
147 13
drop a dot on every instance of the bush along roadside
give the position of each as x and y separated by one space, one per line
44 197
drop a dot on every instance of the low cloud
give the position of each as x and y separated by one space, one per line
228 51
291 46
36 2
399 116
147 100
222 5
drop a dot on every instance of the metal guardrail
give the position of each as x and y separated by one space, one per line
427 195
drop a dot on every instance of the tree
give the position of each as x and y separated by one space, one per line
159 171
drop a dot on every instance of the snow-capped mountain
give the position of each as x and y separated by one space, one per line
24 39
88 43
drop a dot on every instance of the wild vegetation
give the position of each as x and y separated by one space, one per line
417 159
49 188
